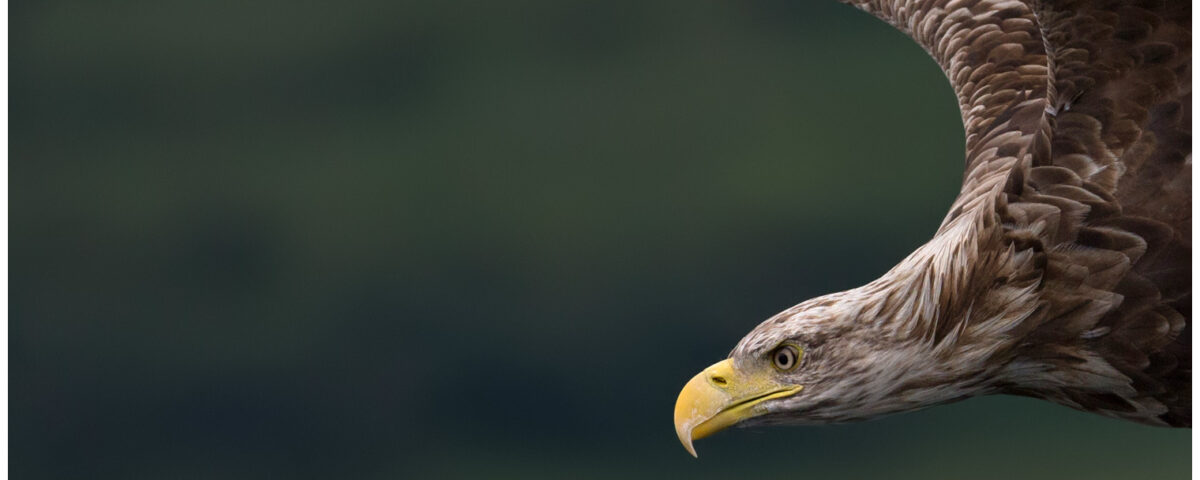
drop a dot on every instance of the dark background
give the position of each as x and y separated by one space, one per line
283 239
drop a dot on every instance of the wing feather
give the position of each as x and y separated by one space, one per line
1078 163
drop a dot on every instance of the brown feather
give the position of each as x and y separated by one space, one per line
1118 172
1062 270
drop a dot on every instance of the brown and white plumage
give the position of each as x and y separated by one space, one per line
1062 270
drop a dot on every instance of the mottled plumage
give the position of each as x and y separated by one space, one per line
1062 270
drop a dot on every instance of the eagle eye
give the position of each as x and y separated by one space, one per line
786 357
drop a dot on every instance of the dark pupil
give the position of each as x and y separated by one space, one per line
784 359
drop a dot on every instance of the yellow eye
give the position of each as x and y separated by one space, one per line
786 357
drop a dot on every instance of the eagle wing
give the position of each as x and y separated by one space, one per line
1078 164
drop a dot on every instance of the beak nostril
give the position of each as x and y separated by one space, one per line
719 380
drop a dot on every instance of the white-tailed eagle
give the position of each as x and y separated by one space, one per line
1062 270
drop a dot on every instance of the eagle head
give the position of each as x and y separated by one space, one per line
837 358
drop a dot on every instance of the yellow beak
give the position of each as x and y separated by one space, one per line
721 396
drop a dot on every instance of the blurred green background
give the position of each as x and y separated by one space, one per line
470 239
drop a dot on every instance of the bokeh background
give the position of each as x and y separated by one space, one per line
282 239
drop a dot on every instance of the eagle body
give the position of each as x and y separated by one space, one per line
1062 270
